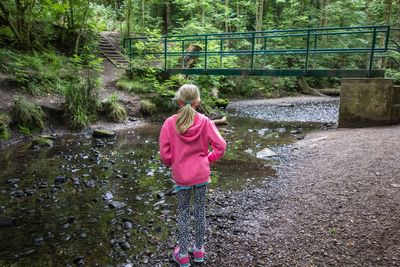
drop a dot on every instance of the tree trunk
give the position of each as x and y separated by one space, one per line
78 38
143 24
128 19
9 21
305 88
167 14
227 15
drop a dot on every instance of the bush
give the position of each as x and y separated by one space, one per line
147 107
4 129
81 104
113 110
394 74
27 114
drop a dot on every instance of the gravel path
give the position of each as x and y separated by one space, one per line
336 203
290 109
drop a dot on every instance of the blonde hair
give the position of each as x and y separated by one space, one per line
187 94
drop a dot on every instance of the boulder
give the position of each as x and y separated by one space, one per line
103 133
265 153
42 142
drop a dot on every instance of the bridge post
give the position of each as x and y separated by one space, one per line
368 102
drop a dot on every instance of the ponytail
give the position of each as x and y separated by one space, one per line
187 94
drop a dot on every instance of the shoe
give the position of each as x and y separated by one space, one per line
198 254
182 261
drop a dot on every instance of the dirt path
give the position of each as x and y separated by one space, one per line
336 203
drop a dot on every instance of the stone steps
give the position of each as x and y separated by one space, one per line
112 53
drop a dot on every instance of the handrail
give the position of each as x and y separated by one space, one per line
369 39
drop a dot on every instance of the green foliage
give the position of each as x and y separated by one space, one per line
26 114
24 130
81 104
394 74
113 110
4 126
134 86
38 73
147 107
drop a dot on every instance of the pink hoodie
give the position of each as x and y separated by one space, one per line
188 153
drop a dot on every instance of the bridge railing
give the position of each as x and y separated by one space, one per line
250 53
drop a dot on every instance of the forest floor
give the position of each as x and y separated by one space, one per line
335 203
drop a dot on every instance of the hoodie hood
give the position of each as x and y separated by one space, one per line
193 132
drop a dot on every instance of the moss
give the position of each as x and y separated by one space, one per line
4 129
147 107
27 114
42 142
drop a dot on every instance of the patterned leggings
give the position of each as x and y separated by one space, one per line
184 215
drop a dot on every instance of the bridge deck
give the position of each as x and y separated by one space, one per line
254 53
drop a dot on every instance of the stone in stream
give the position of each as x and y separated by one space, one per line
76 181
108 196
79 260
296 131
103 133
42 142
116 204
60 179
38 241
265 153
90 183
12 180
42 185
125 245
7 221
281 130
128 225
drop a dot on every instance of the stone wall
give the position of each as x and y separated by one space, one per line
368 102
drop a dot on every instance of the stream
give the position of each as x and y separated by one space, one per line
109 202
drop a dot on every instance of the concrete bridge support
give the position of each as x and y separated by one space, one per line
368 102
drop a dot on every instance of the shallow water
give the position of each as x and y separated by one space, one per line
68 222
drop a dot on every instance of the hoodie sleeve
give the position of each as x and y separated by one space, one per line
218 143
165 145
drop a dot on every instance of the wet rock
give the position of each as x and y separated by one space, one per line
125 245
79 260
108 196
76 181
116 204
263 131
29 192
128 225
43 185
60 179
159 202
42 142
90 183
296 131
265 153
103 133
281 130
65 226
7 221
13 180
249 151
160 195
38 241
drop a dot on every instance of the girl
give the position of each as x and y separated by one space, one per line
184 141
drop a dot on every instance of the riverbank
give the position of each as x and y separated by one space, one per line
335 204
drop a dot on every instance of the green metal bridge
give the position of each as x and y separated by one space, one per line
295 52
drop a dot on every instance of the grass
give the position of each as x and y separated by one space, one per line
27 114
4 126
147 107
81 104
113 110
133 86
38 73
